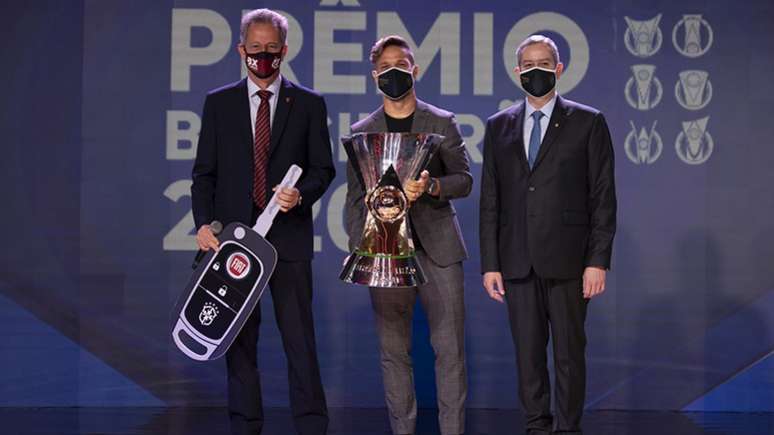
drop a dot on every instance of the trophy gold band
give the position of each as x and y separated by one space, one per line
384 162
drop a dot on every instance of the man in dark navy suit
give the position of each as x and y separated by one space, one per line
547 221
252 132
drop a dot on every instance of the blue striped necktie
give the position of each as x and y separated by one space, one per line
534 139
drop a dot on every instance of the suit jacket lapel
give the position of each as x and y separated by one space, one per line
243 107
555 125
419 125
378 122
517 132
284 103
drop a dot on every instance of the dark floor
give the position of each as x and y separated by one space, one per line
359 421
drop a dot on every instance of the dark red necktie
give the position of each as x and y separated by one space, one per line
261 149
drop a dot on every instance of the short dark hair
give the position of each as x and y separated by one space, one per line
389 41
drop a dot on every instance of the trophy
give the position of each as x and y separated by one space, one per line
384 162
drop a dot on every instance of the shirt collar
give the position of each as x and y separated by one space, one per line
547 110
252 88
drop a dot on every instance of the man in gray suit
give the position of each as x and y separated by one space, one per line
437 238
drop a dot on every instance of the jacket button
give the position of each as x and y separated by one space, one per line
531 188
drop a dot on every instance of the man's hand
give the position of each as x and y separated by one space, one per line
593 282
287 198
206 239
493 284
415 188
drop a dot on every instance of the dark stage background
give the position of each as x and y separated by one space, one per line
100 114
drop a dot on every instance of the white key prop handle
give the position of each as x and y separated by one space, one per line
263 224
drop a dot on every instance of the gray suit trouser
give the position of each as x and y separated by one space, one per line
442 299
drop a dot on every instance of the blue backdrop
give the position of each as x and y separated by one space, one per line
100 115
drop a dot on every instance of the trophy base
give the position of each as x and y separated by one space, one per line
383 271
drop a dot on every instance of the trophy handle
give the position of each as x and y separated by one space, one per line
349 147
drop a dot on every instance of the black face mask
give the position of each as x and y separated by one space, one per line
538 81
395 83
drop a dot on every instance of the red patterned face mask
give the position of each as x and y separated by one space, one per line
263 64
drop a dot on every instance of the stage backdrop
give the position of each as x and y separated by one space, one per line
100 114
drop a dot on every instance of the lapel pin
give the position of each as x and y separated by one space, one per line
556 125
287 99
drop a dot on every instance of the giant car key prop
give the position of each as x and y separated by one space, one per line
227 284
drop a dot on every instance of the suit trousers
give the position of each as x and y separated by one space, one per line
535 306
291 291
442 298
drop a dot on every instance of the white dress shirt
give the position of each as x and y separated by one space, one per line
255 100
547 110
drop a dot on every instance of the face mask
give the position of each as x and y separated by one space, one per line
263 64
538 81
395 83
